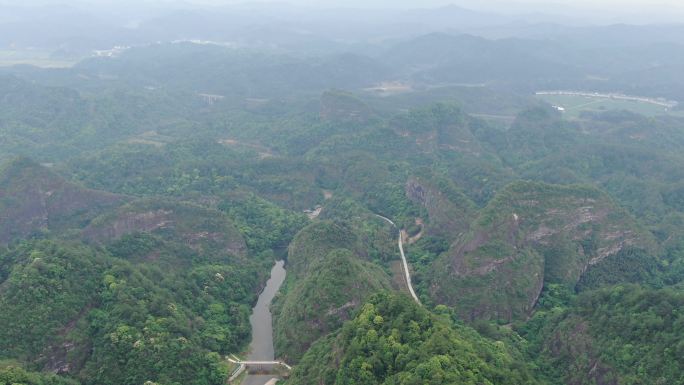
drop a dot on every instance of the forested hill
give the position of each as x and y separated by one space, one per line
98 286
392 339
145 196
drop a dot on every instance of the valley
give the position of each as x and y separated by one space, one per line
338 196
261 347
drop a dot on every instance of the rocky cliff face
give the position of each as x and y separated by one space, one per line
33 199
573 343
529 234
129 221
441 127
450 212
198 228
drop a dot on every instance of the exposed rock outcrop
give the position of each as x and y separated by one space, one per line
198 228
529 234
450 212
33 199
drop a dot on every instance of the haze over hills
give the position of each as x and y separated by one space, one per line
62 30
442 193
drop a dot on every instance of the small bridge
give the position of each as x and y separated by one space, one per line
279 368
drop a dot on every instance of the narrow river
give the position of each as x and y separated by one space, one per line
261 348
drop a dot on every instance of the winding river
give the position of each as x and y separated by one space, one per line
261 347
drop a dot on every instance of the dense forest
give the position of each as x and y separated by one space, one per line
145 196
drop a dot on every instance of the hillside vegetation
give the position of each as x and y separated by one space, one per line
157 294
528 235
393 340
35 200
333 288
622 335
145 196
330 275
103 320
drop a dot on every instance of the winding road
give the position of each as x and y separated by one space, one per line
407 274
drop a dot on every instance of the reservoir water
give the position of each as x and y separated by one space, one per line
261 347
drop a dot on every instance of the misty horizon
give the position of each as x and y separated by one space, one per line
56 26
298 192
611 11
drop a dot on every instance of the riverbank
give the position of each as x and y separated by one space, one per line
261 347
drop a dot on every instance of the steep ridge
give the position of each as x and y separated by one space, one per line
77 310
328 279
34 200
529 234
317 240
450 212
394 340
163 288
201 230
626 334
333 288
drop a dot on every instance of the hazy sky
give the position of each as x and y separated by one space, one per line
471 4
621 4
630 11
601 11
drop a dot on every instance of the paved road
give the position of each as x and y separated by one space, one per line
407 274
